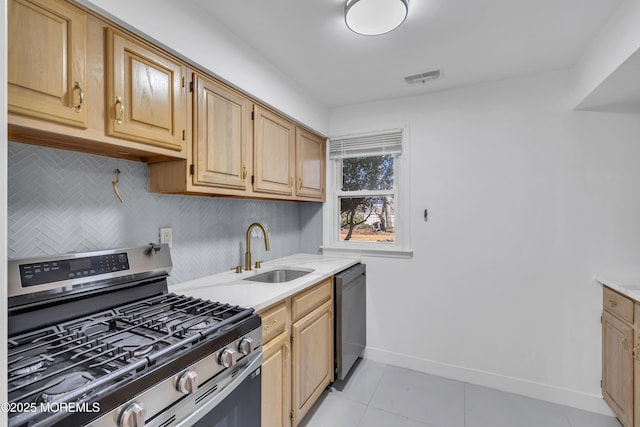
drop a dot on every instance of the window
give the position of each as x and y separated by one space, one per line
364 211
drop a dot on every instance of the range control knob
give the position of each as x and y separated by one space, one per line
132 415
228 357
244 346
187 382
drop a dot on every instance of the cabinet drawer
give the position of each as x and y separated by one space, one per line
274 321
617 304
305 302
637 317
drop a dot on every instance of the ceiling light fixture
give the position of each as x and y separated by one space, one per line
375 17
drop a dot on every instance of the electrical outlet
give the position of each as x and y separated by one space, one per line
166 236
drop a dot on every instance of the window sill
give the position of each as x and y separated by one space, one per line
370 252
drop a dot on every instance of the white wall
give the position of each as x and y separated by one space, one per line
527 199
181 26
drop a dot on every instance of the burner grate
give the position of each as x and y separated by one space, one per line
79 359
180 315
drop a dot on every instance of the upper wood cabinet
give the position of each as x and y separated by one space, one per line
81 82
46 61
146 94
274 153
221 135
52 46
276 161
310 164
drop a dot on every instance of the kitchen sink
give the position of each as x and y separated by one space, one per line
279 275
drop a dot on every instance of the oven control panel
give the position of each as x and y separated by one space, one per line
74 268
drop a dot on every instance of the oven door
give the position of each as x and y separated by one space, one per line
236 404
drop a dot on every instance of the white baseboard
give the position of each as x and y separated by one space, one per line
562 396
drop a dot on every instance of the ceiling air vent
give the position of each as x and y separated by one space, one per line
423 77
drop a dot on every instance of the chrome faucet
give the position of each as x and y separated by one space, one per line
247 254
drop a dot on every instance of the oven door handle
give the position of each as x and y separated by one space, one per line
251 366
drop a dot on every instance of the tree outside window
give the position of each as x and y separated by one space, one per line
367 199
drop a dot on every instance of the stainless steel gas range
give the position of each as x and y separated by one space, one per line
96 339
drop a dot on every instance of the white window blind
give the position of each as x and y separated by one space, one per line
373 144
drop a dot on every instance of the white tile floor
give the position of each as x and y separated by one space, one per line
378 395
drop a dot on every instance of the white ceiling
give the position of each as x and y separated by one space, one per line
620 92
470 41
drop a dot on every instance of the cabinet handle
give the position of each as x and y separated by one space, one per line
613 303
623 342
244 172
119 111
78 107
286 357
299 183
273 323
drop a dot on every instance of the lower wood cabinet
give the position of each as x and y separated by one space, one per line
619 355
636 366
298 355
276 382
312 358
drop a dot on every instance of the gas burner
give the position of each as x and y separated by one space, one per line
187 326
26 366
202 324
139 345
65 384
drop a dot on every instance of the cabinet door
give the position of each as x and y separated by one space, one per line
617 367
274 153
310 165
312 358
276 382
221 133
46 61
146 97
636 375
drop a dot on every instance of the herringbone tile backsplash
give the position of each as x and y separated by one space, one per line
62 201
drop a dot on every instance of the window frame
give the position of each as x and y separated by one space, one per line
401 247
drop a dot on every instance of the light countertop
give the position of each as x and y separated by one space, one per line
629 286
230 288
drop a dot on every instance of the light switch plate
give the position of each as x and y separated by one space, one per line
166 236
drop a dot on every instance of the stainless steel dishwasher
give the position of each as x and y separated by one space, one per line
351 318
